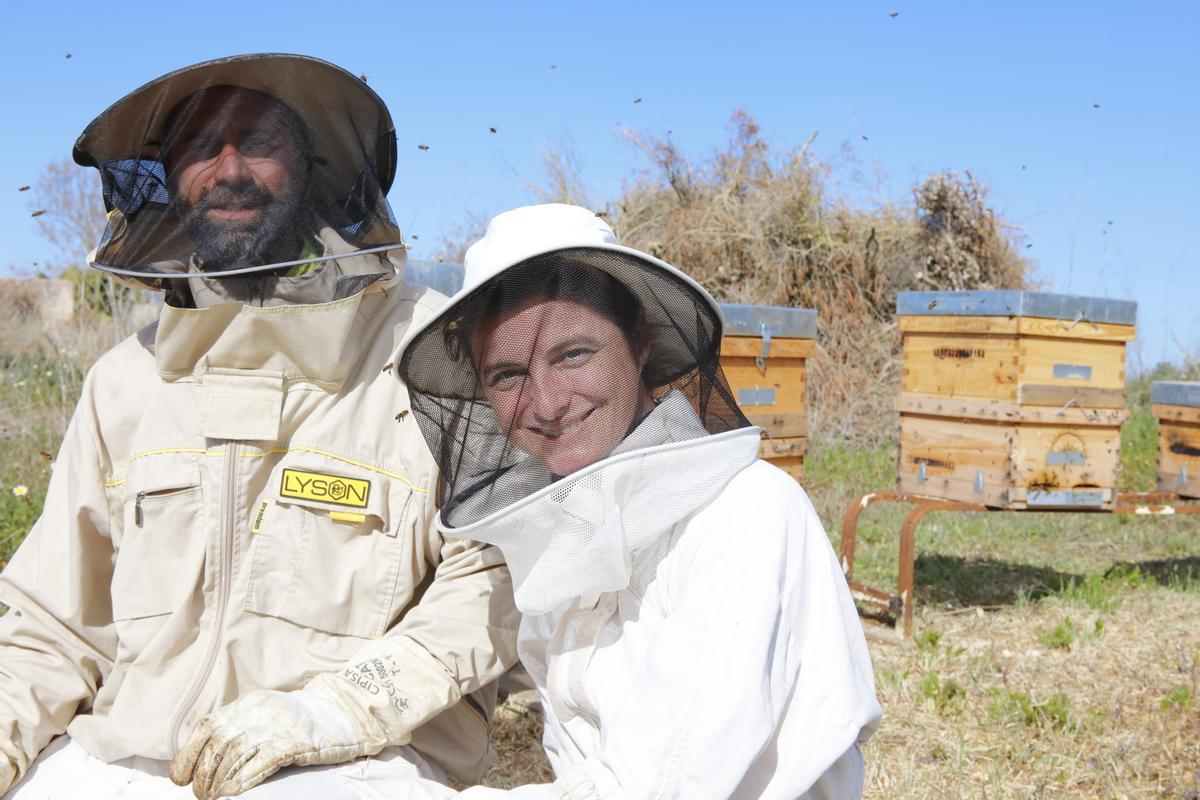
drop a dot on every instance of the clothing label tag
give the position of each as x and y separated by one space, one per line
347 516
258 517
301 485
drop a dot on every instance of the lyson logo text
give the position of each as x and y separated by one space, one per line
301 485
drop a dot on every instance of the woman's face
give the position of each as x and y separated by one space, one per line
563 381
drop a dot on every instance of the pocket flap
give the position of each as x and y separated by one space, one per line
160 472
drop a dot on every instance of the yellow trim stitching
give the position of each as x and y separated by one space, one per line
145 453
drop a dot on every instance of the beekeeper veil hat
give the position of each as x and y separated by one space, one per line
670 332
316 149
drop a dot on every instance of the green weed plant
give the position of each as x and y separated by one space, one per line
1054 712
1180 697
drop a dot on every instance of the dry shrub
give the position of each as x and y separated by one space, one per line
962 244
756 225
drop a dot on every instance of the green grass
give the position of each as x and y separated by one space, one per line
1003 558
1180 697
1062 636
1139 451
38 392
1054 712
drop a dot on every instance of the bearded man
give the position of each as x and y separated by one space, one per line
236 567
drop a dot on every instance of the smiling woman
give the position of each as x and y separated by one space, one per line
573 396
551 356
561 365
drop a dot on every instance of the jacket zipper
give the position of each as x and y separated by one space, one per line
224 582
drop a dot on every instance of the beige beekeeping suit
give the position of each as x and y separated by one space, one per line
242 502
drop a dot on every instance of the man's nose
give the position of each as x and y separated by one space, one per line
230 165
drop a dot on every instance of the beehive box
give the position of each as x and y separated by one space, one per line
1176 405
764 355
1013 399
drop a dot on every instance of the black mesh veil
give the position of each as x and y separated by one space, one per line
313 156
557 362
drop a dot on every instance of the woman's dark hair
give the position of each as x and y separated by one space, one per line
553 276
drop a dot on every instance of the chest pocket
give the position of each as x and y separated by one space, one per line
326 548
161 553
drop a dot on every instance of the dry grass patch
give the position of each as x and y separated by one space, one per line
517 739
1052 699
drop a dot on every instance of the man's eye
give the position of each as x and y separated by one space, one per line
259 146
202 147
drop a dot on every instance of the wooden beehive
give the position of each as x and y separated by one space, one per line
1176 405
1013 399
764 356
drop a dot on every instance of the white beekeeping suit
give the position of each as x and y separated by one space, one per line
684 617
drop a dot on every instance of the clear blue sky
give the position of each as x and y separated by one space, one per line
1006 90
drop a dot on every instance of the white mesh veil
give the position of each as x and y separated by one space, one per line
548 367
573 398
317 152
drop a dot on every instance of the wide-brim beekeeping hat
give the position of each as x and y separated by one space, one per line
532 255
557 233
347 127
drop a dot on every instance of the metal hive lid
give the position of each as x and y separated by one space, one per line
748 320
1176 393
1017 303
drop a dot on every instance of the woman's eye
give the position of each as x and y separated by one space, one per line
577 354
503 378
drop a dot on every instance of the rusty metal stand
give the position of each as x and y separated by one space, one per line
900 604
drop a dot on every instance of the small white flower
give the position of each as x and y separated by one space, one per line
20 490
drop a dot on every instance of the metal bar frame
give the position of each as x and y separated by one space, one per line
900 604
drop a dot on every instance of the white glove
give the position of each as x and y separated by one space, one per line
239 746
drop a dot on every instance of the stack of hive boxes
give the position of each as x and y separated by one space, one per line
1176 405
1012 399
764 355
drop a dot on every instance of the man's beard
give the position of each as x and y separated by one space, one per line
228 244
